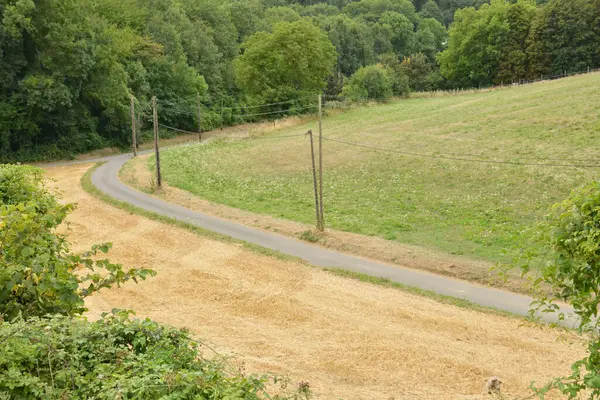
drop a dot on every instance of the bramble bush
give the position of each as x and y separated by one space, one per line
38 274
48 351
118 357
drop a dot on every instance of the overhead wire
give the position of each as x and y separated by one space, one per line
190 113
524 157
277 137
268 104
180 105
177 129
442 157
275 112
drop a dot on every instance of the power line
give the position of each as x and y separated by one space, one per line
268 104
189 113
177 130
180 105
277 137
274 112
458 158
570 160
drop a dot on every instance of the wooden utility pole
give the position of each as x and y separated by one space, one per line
314 169
221 114
322 222
133 135
138 126
156 152
199 117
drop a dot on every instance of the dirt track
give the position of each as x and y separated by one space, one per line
348 339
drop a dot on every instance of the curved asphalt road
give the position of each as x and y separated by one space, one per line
105 179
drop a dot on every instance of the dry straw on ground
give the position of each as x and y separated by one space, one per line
348 339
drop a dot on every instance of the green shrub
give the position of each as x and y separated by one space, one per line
38 274
117 358
373 82
571 240
21 184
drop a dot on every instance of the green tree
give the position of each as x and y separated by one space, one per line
296 58
353 41
475 46
449 7
371 82
277 15
419 71
431 10
430 38
513 62
564 37
400 80
373 10
247 17
401 32
319 10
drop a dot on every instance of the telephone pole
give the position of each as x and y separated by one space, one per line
322 222
199 117
314 170
133 135
156 152
221 114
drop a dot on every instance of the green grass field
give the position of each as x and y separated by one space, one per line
458 207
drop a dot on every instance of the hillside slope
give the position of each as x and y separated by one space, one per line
439 201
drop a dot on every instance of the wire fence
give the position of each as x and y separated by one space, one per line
502 85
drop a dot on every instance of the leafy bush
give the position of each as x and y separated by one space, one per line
373 82
117 358
20 184
401 83
571 236
420 72
38 274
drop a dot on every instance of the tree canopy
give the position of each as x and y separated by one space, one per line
69 67
509 41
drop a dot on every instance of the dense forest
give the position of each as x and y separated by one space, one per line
69 67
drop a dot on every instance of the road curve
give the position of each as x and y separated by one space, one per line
106 180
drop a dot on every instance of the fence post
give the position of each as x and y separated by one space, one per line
133 135
322 225
314 170
156 151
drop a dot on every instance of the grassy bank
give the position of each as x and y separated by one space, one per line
456 206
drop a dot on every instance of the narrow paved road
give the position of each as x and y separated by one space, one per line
105 179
